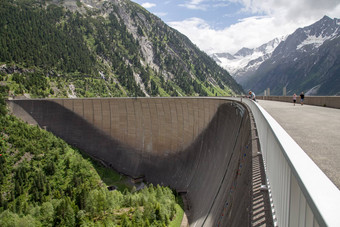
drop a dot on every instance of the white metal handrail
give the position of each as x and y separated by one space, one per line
302 195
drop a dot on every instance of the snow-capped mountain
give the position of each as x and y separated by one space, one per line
308 60
309 39
245 62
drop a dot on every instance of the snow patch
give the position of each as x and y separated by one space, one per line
315 40
239 64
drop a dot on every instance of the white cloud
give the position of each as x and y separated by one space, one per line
195 4
148 5
222 4
281 17
204 4
292 10
249 32
160 14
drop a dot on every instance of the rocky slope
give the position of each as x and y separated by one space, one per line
308 60
92 48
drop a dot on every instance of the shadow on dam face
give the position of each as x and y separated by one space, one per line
200 146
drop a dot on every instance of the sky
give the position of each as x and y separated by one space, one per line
218 26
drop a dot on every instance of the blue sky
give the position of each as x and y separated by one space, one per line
228 25
218 14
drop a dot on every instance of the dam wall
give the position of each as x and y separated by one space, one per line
200 146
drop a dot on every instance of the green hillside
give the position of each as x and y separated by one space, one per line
45 182
115 48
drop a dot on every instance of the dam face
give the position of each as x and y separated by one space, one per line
198 145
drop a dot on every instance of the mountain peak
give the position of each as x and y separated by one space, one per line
306 61
246 60
244 52
309 38
326 18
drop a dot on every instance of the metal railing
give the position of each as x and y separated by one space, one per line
301 194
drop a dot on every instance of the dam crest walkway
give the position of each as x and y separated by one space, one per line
209 141
316 131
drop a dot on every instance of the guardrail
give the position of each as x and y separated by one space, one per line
301 194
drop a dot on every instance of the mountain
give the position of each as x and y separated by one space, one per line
245 62
91 48
308 60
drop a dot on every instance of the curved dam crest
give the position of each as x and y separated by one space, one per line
198 145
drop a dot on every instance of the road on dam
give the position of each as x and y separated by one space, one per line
315 129
202 147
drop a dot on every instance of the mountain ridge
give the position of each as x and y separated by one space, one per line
306 60
300 64
246 61
116 46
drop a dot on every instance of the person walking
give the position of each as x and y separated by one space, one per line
302 96
294 99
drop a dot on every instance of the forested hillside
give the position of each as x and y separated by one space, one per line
109 48
45 182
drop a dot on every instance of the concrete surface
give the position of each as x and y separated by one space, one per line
199 146
316 130
324 101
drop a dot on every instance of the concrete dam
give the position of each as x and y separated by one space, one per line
199 146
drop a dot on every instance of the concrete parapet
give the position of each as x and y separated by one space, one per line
325 101
202 146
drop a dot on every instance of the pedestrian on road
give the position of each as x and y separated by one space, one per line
302 96
294 99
